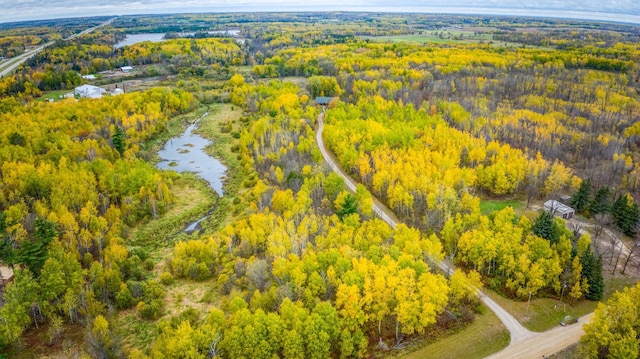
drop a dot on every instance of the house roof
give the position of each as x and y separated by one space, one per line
5 273
90 91
322 100
558 207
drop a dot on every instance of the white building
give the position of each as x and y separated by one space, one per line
559 209
126 68
90 91
89 77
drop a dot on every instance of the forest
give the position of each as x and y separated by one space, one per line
436 118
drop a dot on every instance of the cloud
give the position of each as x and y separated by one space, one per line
20 10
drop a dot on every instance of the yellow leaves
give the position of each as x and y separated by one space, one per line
100 328
612 328
433 293
349 304
463 286
115 254
559 179
282 201
237 80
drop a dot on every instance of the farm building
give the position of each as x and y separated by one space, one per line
126 68
559 209
89 91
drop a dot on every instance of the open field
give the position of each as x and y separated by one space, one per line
542 314
486 335
446 36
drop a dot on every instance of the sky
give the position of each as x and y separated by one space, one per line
607 10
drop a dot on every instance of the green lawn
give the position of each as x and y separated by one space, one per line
488 206
545 313
486 335
53 94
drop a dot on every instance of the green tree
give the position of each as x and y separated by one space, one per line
601 202
626 215
119 140
33 252
592 272
346 204
580 199
19 297
544 227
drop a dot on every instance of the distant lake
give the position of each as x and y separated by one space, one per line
135 38
229 32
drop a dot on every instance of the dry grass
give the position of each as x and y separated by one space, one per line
484 336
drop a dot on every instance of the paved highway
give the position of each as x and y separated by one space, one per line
11 64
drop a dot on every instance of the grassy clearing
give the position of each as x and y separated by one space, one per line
486 335
542 314
222 126
181 295
134 331
193 199
184 294
53 94
488 206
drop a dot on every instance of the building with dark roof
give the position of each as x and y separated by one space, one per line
324 101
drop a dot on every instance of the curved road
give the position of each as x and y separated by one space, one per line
524 343
14 62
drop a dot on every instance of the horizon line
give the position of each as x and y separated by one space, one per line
550 13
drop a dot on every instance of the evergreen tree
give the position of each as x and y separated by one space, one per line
633 217
543 227
33 253
592 271
580 199
625 212
348 206
601 202
119 140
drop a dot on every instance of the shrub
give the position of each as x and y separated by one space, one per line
166 278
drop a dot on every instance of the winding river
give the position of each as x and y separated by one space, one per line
185 153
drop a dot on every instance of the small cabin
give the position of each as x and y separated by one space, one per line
559 209
324 101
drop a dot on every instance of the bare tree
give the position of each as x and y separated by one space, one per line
634 248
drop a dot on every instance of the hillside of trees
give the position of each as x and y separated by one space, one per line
290 263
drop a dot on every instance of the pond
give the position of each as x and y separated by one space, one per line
135 38
185 153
